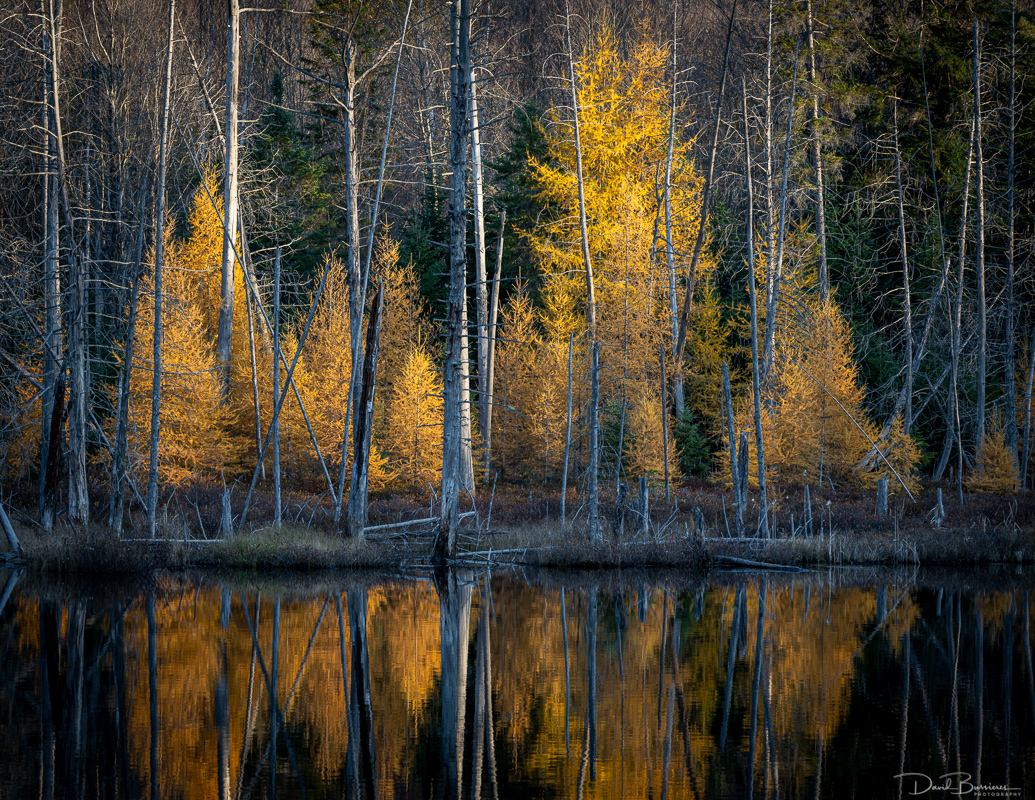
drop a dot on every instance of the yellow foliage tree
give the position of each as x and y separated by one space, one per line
624 128
414 421
646 453
996 468
200 432
323 375
817 425
518 381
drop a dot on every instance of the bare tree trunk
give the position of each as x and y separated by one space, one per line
775 274
907 321
755 373
688 298
980 235
591 301
256 407
954 397
364 420
352 255
119 472
156 385
921 345
664 422
50 481
78 503
53 343
490 382
567 433
230 196
466 434
594 449
275 424
738 499
770 203
817 163
481 281
1026 457
445 546
1010 367
677 381
358 281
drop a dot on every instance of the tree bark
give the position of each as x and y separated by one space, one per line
53 343
481 286
1010 367
670 254
452 428
738 500
275 424
119 471
980 236
156 384
567 433
490 383
364 421
817 163
755 373
230 196
907 320
956 320
594 449
664 422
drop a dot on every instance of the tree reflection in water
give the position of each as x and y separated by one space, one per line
579 687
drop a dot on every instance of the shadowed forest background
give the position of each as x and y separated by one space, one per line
832 201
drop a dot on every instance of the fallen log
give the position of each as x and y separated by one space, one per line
745 562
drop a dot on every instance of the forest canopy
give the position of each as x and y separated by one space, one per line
369 245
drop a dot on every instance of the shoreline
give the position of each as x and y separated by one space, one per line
532 545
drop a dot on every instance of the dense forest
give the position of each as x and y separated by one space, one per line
344 246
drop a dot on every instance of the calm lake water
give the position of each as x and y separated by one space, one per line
467 685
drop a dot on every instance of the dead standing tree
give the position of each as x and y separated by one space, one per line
452 405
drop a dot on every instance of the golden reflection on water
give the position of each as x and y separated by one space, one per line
458 686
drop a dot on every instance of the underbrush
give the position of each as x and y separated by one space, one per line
508 523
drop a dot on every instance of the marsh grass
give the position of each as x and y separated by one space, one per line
523 527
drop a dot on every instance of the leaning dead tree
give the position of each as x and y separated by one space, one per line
364 421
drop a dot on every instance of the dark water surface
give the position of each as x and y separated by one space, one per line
467 685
